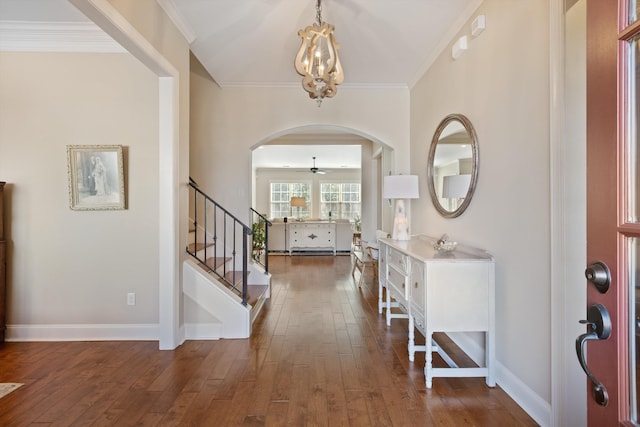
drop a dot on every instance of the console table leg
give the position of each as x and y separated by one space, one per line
380 303
428 360
388 309
412 344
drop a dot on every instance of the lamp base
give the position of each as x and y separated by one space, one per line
400 222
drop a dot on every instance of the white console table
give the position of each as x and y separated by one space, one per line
312 236
440 292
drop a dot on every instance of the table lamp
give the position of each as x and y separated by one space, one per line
400 187
298 202
455 187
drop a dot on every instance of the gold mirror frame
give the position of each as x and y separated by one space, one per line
466 123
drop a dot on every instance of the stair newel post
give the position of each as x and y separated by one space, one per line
224 242
235 248
266 246
215 232
204 237
195 220
245 266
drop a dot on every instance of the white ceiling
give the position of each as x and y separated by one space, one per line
249 42
301 156
383 43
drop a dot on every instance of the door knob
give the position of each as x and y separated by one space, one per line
599 328
598 273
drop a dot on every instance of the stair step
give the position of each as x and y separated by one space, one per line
254 293
216 262
193 247
237 275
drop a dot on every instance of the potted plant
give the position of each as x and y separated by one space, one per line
357 224
259 238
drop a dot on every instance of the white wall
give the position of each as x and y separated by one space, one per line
502 85
75 267
227 123
144 29
368 176
264 177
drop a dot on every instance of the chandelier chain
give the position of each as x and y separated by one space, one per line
319 12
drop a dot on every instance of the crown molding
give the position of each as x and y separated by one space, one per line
446 39
296 85
178 19
25 36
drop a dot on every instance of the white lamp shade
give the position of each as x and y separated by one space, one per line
400 187
455 186
298 202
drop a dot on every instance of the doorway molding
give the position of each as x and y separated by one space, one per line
108 18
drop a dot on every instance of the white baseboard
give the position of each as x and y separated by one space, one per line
537 408
203 331
81 332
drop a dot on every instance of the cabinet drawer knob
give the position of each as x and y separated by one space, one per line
416 285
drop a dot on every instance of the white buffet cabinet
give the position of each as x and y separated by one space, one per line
312 236
440 292
287 237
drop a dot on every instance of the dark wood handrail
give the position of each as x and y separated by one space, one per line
231 227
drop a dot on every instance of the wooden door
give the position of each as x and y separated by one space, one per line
613 213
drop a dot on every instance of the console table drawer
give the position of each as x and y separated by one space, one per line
398 260
396 281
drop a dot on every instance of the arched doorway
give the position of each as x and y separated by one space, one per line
345 154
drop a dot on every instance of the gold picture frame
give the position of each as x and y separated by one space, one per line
96 177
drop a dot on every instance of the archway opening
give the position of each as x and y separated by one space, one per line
345 159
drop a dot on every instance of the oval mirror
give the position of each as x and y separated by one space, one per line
452 168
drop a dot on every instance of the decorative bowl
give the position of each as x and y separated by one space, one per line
445 246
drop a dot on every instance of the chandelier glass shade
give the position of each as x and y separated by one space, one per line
317 59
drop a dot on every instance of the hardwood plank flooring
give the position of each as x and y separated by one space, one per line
320 355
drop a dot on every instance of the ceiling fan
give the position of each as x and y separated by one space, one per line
314 169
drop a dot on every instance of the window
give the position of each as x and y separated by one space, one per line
281 194
341 200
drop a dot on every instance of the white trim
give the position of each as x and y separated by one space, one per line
203 331
567 74
557 231
469 346
169 233
82 332
218 301
23 36
527 399
109 19
112 22
447 37
178 19
296 85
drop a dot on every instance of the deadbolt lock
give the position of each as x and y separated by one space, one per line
598 273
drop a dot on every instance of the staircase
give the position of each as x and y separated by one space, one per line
224 286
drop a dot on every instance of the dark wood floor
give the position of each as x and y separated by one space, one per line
320 355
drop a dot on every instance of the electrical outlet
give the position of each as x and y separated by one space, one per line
131 298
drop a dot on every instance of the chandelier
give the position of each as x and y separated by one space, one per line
317 59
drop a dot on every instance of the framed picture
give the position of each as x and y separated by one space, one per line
96 177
